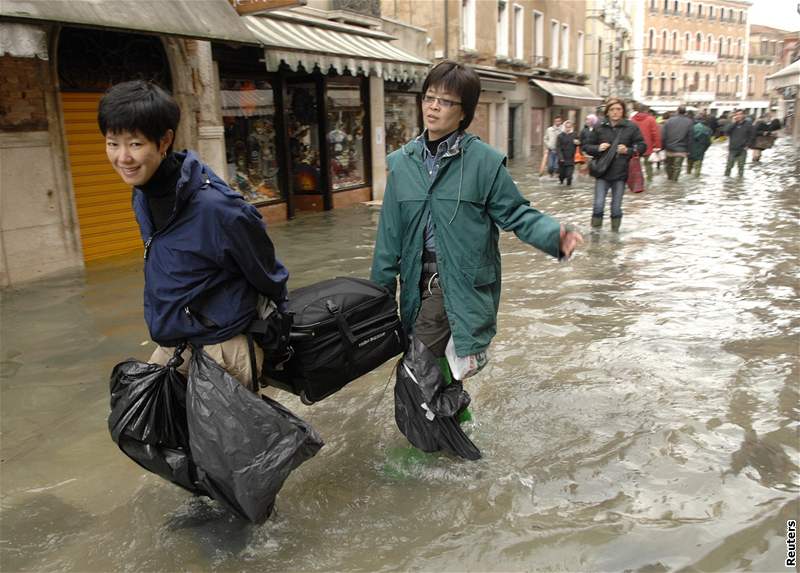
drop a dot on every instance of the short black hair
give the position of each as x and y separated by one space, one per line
138 106
459 80
681 109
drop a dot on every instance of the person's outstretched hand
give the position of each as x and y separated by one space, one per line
570 240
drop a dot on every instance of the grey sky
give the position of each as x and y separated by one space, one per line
780 14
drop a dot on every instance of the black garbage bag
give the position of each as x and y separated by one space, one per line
148 419
426 408
244 445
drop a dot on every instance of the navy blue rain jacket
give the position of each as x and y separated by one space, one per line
204 270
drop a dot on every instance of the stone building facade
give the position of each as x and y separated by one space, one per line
764 59
531 56
693 53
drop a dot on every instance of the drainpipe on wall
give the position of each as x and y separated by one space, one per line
446 26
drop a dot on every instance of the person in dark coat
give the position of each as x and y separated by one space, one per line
629 141
208 261
701 140
676 136
740 136
566 144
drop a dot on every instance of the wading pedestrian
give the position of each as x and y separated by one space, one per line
439 232
566 145
621 138
651 134
207 255
550 142
701 141
740 136
676 135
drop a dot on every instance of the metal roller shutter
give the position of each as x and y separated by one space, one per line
103 201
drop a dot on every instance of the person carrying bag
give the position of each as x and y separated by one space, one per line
612 144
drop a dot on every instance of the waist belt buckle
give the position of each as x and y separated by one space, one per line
433 281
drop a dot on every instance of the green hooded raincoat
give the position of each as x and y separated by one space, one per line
471 195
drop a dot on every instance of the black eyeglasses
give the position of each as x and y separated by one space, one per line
445 103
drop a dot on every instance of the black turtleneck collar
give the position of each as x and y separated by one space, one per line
160 190
433 146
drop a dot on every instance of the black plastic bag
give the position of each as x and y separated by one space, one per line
244 445
148 419
426 409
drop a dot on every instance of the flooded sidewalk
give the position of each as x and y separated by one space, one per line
640 410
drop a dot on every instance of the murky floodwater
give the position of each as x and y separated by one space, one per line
640 411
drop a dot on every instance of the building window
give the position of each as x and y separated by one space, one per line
502 28
730 47
739 48
721 14
651 40
736 85
698 42
468 24
675 48
662 84
687 41
675 6
710 43
401 118
708 80
688 8
653 6
554 33
741 16
720 46
346 136
672 81
538 38
580 53
248 117
565 46
699 10
666 6
664 41
750 86
519 32
685 83
710 12
649 83
696 82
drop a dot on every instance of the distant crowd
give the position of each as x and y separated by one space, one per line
628 142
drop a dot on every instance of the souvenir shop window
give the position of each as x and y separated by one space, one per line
401 118
248 114
303 133
346 133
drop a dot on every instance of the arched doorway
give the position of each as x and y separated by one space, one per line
89 62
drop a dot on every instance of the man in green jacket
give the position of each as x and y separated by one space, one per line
446 194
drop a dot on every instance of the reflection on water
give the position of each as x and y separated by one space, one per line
640 411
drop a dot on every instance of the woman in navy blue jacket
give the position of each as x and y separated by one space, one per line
207 255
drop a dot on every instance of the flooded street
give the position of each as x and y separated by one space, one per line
640 411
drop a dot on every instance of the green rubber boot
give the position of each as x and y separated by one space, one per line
597 222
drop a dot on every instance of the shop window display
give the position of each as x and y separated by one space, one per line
401 118
303 131
346 135
248 114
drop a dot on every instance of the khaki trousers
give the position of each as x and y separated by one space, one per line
233 355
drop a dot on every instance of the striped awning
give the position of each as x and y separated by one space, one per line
309 43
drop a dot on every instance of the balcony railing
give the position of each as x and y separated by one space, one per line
699 57
540 61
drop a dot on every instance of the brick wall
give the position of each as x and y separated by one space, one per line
22 105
